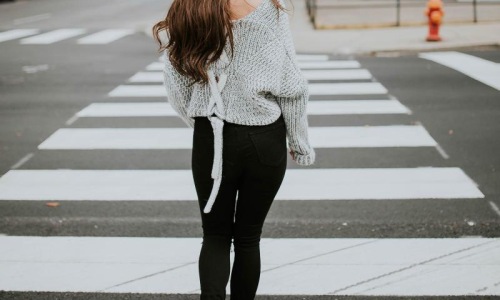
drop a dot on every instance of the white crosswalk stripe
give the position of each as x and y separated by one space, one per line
483 70
105 36
160 109
34 37
16 34
157 90
330 64
348 266
165 185
349 88
354 74
181 138
312 57
53 36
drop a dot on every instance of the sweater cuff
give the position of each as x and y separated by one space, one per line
305 159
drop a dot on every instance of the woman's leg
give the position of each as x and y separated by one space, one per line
263 174
214 259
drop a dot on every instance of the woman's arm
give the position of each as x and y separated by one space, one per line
178 91
293 98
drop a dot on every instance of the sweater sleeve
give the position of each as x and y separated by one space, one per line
178 91
293 98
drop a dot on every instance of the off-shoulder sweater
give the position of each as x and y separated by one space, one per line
262 81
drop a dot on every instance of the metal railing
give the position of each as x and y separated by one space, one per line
325 14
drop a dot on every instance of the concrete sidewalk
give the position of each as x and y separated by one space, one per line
372 41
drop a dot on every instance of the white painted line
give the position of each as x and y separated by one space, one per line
483 70
139 91
404 266
147 77
494 207
361 88
441 151
161 109
128 109
312 57
330 64
181 138
105 36
22 161
155 66
31 19
71 120
173 185
356 74
53 36
346 107
350 88
16 34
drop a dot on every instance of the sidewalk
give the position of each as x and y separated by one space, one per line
368 41
404 38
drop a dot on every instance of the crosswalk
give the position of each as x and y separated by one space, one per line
290 266
34 36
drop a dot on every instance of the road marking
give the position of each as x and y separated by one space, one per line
312 57
350 88
346 107
164 109
128 109
403 266
329 64
480 69
494 207
356 74
72 120
22 161
53 36
441 151
147 77
16 33
30 19
105 36
174 185
182 138
138 91
155 66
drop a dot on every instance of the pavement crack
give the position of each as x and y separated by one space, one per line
146 276
404 269
318 255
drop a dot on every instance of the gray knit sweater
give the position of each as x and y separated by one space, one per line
261 82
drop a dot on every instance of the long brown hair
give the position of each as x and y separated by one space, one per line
197 31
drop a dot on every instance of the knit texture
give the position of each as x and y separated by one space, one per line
262 81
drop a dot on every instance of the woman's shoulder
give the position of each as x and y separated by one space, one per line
265 15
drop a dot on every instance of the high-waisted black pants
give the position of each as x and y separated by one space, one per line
254 165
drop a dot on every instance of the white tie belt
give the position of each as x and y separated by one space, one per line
216 117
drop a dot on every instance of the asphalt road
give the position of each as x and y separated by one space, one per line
43 86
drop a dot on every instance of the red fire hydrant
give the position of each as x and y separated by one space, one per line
434 13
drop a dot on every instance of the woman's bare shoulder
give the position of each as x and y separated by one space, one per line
241 8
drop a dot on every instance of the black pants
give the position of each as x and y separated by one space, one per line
254 165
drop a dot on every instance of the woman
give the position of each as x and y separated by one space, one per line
231 74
